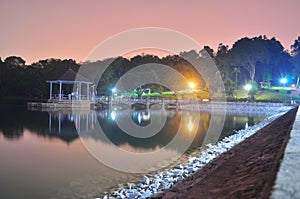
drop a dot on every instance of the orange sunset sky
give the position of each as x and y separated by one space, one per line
35 29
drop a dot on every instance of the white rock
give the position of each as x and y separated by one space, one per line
179 166
192 159
146 180
146 194
132 193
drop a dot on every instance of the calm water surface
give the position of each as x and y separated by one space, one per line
42 155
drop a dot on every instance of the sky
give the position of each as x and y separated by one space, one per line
35 30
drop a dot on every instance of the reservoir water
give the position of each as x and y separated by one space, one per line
43 154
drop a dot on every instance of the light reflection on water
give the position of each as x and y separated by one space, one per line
42 157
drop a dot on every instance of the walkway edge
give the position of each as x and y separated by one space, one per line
288 178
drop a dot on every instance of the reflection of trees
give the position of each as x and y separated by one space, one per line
118 137
13 123
202 128
235 123
161 139
11 126
12 132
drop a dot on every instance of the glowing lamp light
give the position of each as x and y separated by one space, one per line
248 87
283 80
113 115
192 85
190 125
114 90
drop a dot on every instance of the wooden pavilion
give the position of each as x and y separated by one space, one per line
71 86
71 90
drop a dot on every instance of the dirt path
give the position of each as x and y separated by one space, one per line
248 170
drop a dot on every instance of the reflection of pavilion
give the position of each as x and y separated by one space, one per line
72 123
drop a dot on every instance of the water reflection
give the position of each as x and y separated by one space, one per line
68 125
116 129
59 162
62 121
65 125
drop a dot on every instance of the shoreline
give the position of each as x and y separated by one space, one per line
162 181
248 170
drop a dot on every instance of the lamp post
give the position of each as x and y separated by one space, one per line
192 85
114 90
110 97
248 88
283 81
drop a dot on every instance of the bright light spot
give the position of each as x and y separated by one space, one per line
248 87
113 115
146 116
283 80
190 125
205 100
192 85
293 85
139 118
114 90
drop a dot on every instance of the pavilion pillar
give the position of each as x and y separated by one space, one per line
79 91
79 120
60 90
50 122
94 92
50 97
87 123
87 91
59 122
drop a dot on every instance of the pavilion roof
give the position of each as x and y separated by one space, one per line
71 76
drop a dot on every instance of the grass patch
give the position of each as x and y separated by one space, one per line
273 94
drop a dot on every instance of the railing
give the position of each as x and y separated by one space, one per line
70 97
130 100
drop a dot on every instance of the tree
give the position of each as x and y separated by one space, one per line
276 63
236 71
210 51
14 61
269 54
2 76
222 61
296 56
247 53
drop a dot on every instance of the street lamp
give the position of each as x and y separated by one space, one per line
248 87
192 85
283 81
114 90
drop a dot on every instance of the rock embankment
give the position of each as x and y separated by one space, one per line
165 180
248 170
238 108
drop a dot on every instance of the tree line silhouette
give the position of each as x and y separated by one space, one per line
249 59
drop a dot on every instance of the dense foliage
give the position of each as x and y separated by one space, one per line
250 59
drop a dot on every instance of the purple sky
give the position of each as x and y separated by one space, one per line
35 29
